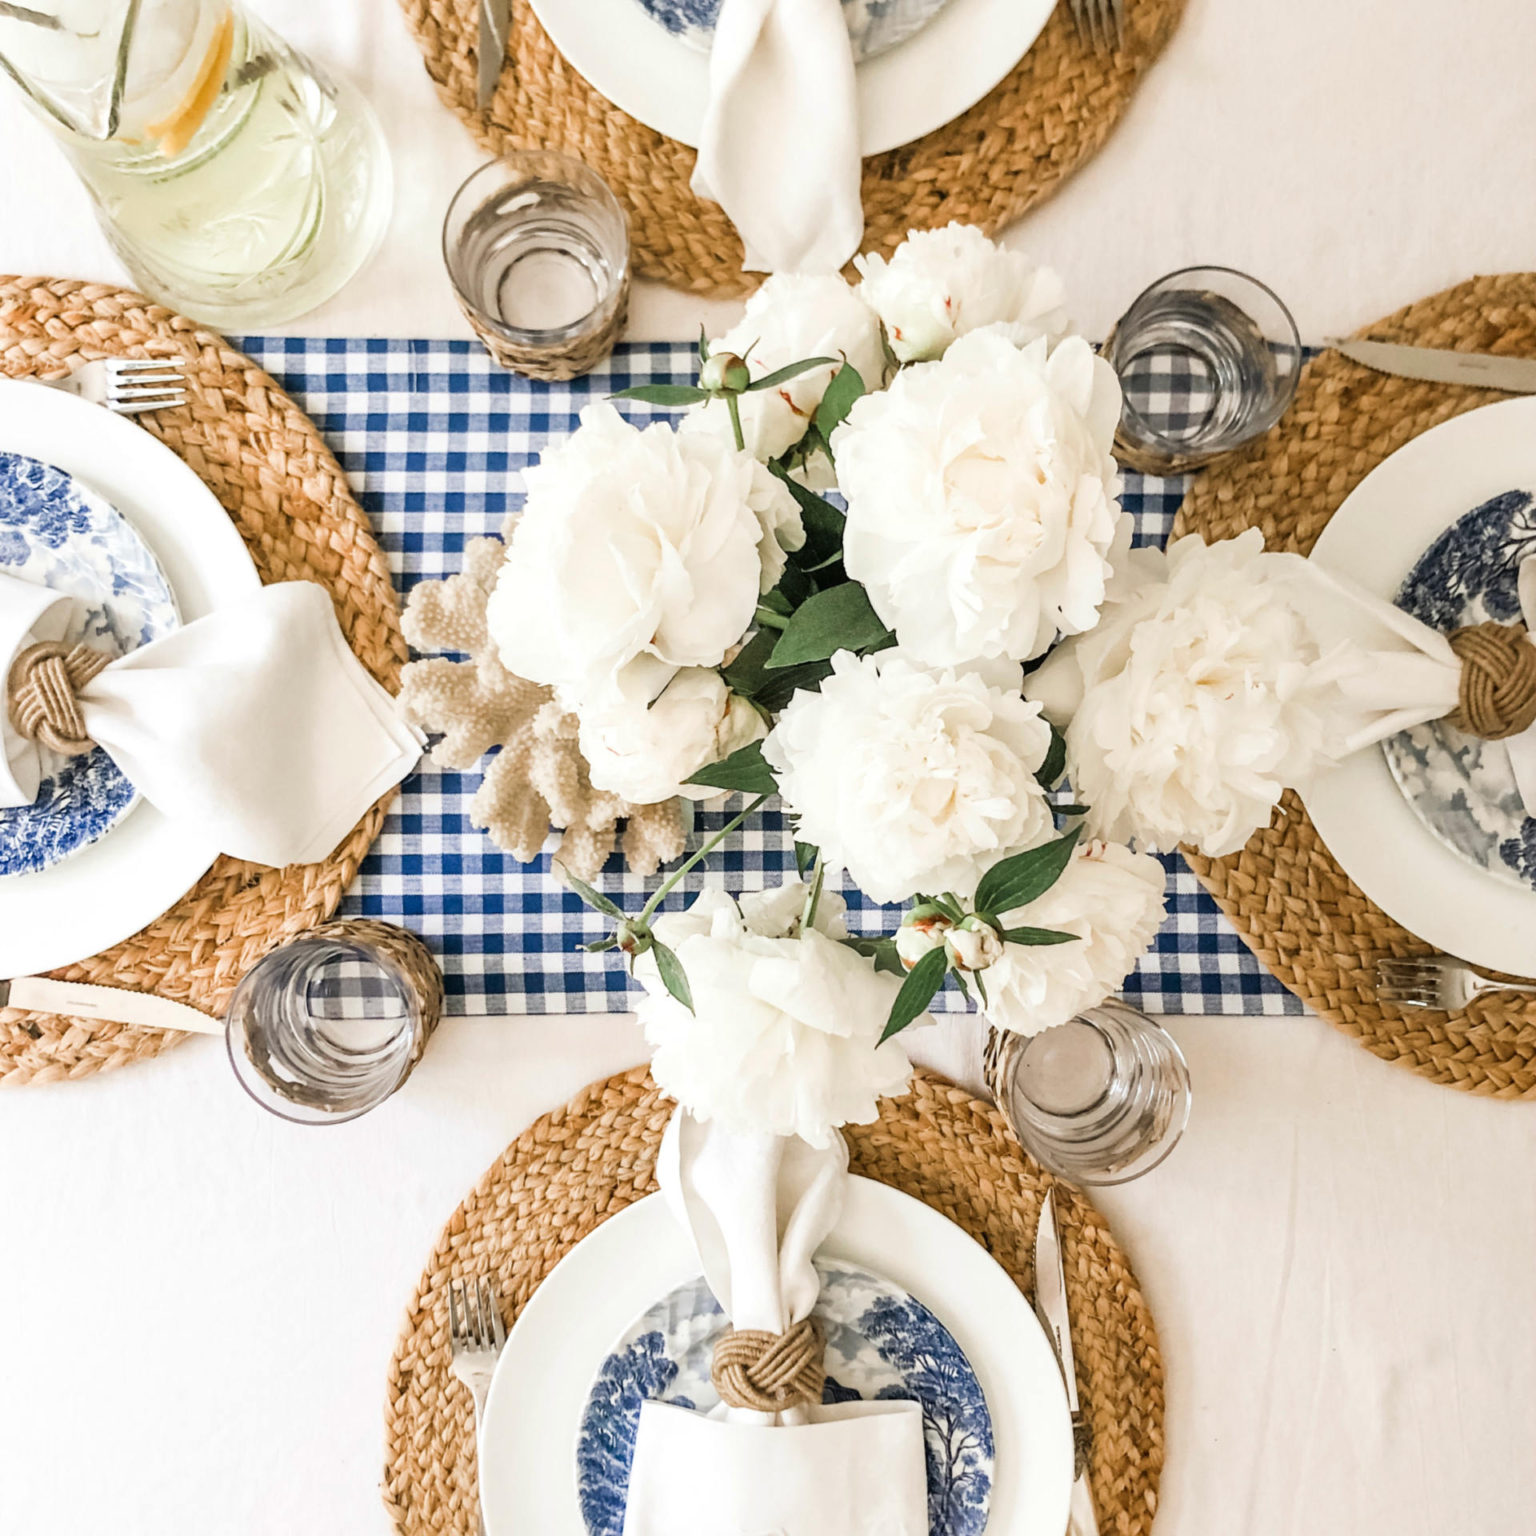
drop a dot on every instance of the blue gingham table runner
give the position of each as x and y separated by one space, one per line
433 438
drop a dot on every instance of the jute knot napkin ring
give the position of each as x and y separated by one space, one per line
1498 680
770 1372
41 689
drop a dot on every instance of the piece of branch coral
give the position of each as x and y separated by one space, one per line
538 777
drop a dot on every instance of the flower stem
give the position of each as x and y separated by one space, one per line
735 409
649 908
813 897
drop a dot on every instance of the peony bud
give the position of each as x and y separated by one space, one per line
922 931
974 945
724 373
632 939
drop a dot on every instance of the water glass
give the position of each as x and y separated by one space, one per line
1101 1099
537 249
1208 360
328 1025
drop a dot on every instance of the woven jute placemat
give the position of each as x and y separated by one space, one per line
987 167
268 466
1297 910
579 1165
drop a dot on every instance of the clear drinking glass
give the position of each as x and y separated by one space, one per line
236 181
537 249
1208 360
1101 1099
328 1025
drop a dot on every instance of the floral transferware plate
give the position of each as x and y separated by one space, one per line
881 1344
1463 788
60 535
873 25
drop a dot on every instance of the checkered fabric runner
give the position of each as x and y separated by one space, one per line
433 438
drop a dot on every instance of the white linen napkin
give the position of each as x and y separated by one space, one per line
1393 671
257 721
779 150
757 1208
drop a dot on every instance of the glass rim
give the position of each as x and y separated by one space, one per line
541 335
1292 381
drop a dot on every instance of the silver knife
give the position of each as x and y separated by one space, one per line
1051 1309
114 1005
1476 370
491 54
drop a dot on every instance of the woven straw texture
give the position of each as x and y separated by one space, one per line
264 460
1007 153
1297 910
580 1164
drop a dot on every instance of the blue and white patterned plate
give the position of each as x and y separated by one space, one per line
881 1344
874 26
58 534
1462 788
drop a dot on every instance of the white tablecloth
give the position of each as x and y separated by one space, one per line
1340 1256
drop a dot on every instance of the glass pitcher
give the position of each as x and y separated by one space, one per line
237 182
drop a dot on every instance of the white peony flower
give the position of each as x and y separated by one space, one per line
1196 702
654 728
631 543
941 283
1112 899
777 913
792 317
784 1033
982 497
911 779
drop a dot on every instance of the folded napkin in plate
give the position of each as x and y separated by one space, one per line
779 149
1392 671
257 721
768 1462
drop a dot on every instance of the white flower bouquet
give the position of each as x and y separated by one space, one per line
882 506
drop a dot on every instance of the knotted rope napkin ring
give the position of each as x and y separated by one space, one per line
1498 680
41 688
770 1372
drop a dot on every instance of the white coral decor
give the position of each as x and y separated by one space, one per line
1197 701
633 544
983 497
941 283
784 1032
1112 899
912 779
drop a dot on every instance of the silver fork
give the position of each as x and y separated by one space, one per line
1100 22
1437 981
475 1335
127 385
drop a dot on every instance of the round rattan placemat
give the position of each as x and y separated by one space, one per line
1296 909
577 1166
1007 153
264 460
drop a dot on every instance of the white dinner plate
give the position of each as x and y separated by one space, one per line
1375 538
563 1335
904 93
110 890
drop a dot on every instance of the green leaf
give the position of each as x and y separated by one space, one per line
775 601
981 987
822 521
746 769
747 673
805 857
1017 881
1070 810
783 683
601 945
1051 770
881 951
673 977
965 991
793 371
795 586
839 619
593 898
842 394
663 394
917 991
703 345
1035 936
